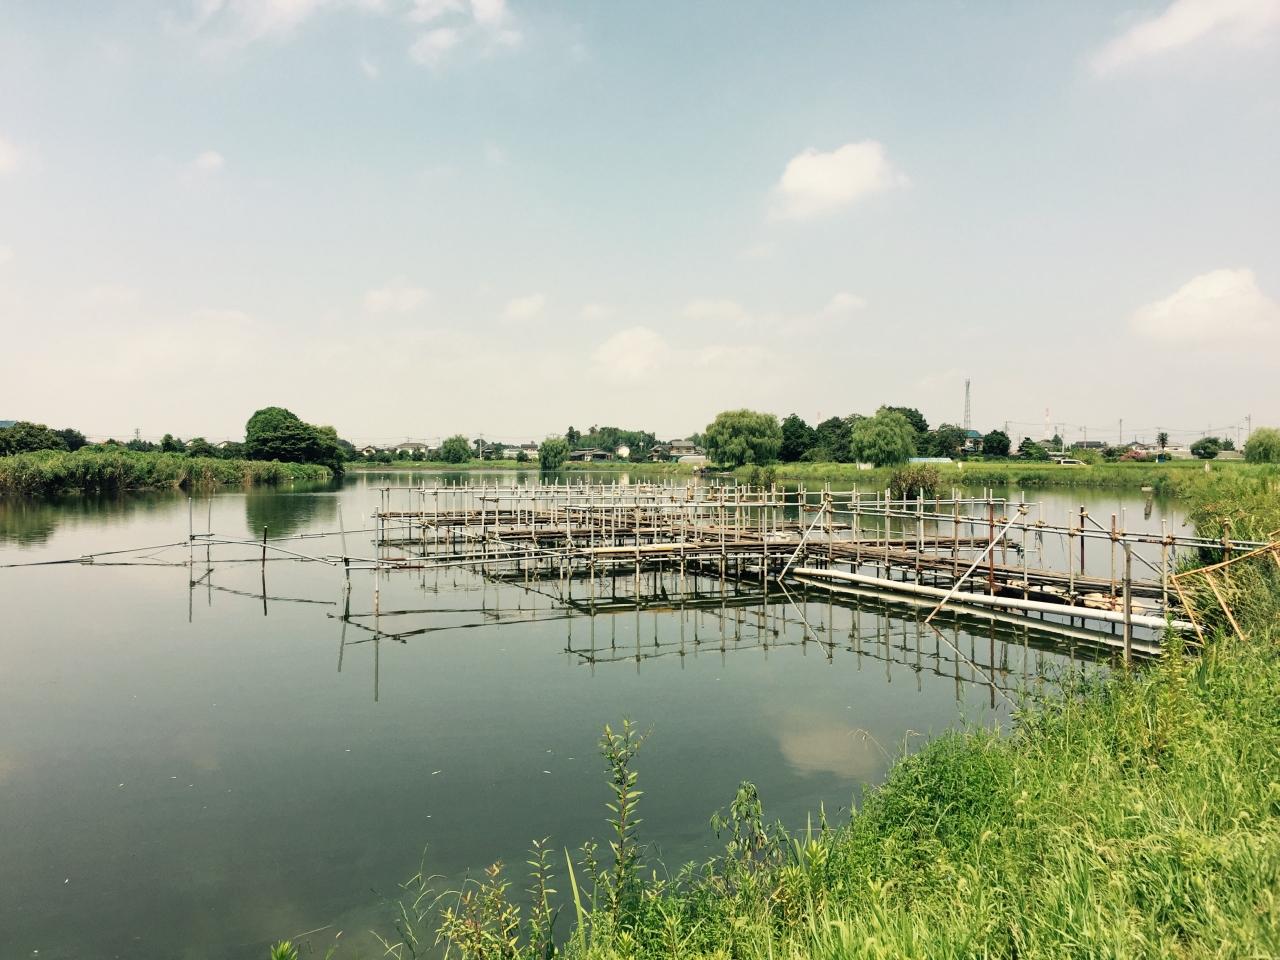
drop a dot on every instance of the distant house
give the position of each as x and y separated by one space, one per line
223 444
369 451
660 453
530 450
410 447
972 441
590 455
1089 445
7 423
682 448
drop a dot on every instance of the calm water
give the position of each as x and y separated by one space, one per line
191 772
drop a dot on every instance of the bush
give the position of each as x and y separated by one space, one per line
1206 448
908 482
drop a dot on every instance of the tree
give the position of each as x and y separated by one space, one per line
739 437
946 441
915 418
457 449
552 453
1030 450
522 456
1263 446
24 437
1162 440
1226 443
168 444
797 439
73 439
274 433
996 444
572 437
831 440
1206 448
200 447
885 439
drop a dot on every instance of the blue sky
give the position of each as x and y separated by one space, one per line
413 218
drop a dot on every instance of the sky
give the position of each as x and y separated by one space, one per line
410 218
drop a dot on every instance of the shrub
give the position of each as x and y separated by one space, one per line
908 482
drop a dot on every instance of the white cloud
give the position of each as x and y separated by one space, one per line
10 157
713 309
489 13
396 297
1219 306
815 183
486 21
243 21
760 251
428 11
843 304
597 311
631 354
430 48
494 155
1187 22
208 164
524 308
110 296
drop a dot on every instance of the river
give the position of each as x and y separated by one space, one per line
193 771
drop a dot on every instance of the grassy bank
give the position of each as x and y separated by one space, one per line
1175 477
606 466
50 472
1137 816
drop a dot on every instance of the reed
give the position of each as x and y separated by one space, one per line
1172 478
51 472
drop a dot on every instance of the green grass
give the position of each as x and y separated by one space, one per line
648 469
1136 816
1174 477
51 472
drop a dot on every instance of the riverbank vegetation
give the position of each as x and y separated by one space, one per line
1172 477
1131 816
93 470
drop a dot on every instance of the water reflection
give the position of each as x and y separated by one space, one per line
31 522
286 511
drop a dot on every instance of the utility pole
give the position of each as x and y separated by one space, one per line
1122 431
1248 426
968 425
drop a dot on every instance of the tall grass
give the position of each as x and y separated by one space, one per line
50 472
1136 816
1174 477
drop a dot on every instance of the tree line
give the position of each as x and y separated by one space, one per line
272 433
894 435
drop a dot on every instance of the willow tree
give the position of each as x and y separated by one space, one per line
885 439
740 437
